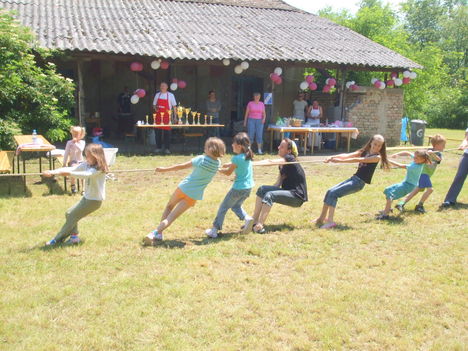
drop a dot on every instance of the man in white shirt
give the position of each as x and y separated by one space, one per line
163 104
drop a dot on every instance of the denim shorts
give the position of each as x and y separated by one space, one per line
349 186
424 181
255 130
396 191
271 194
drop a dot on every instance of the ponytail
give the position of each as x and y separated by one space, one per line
243 140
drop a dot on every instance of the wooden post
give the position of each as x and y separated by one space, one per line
80 107
342 92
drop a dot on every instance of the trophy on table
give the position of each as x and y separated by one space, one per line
198 118
206 117
211 119
146 119
180 113
169 114
187 112
194 114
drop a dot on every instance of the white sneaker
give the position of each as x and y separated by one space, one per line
212 233
152 238
259 152
167 152
247 227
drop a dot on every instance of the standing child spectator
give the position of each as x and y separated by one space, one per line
241 163
413 172
191 188
93 170
425 184
368 157
73 155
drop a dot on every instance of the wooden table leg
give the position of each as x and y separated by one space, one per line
349 141
305 144
40 163
271 141
313 143
337 136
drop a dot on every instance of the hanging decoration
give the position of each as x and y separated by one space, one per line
226 62
245 65
278 71
136 66
164 64
140 93
134 99
156 64
173 86
238 69
181 84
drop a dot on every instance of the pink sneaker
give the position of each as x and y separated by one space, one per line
328 225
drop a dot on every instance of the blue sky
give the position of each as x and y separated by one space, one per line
314 5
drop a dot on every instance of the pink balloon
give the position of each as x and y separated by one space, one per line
394 75
278 80
390 83
174 80
354 87
406 80
326 89
313 86
332 82
140 93
274 76
136 66
377 83
164 64
181 84
309 78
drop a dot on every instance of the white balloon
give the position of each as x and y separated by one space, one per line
304 85
373 80
278 70
406 74
348 84
244 65
382 85
238 69
226 62
134 99
173 86
155 64
398 82
413 75
326 82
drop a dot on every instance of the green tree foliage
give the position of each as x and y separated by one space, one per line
32 94
433 33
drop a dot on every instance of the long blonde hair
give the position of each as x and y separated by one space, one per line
97 153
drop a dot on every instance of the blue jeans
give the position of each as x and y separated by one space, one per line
459 180
255 130
349 186
270 194
233 200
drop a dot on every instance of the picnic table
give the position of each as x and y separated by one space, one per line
350 131
25 145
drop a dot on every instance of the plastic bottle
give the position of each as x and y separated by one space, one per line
34 137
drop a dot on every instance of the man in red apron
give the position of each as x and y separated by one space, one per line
163 104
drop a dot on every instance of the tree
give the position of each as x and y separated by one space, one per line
32 94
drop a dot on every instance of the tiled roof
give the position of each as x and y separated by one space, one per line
200 30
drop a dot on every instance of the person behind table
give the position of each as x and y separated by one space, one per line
93 171
290 188
213 106
254 120
163 104
241 164
460 176
300 107
413 172
438 145
315 113
74 151
124 101
368 157
191 188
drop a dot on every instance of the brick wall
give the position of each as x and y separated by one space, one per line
375 111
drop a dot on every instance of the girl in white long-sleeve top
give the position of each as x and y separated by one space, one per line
93 171
73 155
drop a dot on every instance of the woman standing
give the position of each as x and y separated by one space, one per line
163 104
315 113
213 106
254 120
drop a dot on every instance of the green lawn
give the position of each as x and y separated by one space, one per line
366 285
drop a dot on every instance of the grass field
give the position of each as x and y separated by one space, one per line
365 285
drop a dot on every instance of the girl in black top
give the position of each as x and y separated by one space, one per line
290 188
368 158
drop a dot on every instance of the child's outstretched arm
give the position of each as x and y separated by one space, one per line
433 156
373 159
343 156
177 167
227 169
398 164
402 153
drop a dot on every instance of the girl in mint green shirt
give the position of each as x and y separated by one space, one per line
241 164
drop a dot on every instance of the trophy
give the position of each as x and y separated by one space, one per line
154 118
206 116
194 114
187 111
146 119
169 113
198 118
180 113
211 119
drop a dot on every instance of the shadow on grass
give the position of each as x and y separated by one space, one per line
167 244
221 237
392 220
11 187
458 206
278 228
